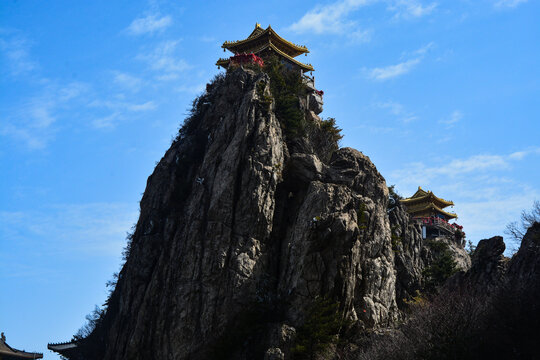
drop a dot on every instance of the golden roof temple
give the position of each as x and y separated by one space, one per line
424 204
264 42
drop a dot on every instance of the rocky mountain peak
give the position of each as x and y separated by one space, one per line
252 215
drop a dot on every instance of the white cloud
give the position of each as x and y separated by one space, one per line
334 18
488 217
127 81
149 24
97 229
453 119
28 136
398 110
195 89
419 173
424 49
391 71
360 36
520 155
149 105
106 122
208 39
480 166
16 51
411 8
329 18
123 106
473 164
163 59
509 3
32 122
118 108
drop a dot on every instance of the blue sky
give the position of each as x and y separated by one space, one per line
442 94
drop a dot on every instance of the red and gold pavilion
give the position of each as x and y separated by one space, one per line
263 43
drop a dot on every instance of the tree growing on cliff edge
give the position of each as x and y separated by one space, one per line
517 229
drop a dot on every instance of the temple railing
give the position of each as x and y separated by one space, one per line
436 222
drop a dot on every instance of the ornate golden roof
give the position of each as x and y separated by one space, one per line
262 39
306 67
267 35
422 196
424 201
424 207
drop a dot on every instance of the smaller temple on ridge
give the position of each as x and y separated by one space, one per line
262 43
9 353
427 208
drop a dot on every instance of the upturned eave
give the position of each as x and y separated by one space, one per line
273 37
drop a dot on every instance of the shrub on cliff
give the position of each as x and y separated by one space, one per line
286 87
441 269
319 330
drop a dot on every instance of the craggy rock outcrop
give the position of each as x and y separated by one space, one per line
239 222
491 271
525 265
488 268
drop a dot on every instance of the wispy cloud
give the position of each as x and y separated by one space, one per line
195 89
119 110
106 122
207 39
508 3
335 18
331 18
479 166
520 155
33 122
391 71
15 49
397 110
123 106
96 229
164 60
149 24
453 119
411 8
127 81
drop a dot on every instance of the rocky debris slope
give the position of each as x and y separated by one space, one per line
242 226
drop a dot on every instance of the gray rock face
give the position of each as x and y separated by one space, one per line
525 264
234 221
488 269
492 273
315 103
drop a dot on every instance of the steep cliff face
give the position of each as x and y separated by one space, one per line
243 225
